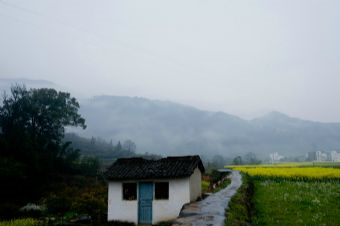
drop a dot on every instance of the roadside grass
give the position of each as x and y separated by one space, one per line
205 186
21 222
164 223
289 203
35 222
214 181
115 223
222 185
239 212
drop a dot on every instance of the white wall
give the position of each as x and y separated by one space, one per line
179 194
119 209
162 210
195 185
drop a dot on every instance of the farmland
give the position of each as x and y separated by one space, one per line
293 194
292 173
293 164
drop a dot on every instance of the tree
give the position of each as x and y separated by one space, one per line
250 158
33 124
89 165
118 147
237 160
218 161
129 145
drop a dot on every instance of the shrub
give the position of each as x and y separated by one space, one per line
164 223
119 223
58 204
9 210
32 210
89 203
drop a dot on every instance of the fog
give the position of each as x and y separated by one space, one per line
242 57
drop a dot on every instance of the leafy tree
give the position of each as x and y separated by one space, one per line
118 147
250 158
68 158
89 165
237 160
218 161
32 126
102 149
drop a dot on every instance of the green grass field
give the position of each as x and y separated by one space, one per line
296 203
279 199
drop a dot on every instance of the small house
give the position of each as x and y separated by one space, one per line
150 191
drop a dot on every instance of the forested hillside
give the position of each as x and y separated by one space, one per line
164 127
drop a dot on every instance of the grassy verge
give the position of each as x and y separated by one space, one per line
239 212
222 185
215 181
20 222
205 186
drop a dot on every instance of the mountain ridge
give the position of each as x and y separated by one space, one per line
171 128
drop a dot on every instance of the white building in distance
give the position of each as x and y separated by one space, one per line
321 156
275 157
335 156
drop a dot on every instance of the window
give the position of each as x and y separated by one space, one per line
162 190
129 191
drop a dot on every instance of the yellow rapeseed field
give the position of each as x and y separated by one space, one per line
291 172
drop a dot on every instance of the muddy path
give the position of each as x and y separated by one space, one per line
211 210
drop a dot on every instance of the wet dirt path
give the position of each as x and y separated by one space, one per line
211 210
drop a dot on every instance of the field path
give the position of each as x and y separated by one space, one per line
211 210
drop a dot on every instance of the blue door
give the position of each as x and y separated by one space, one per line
145 203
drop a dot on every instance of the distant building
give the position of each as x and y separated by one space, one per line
335 156
311 156
321 156
275 157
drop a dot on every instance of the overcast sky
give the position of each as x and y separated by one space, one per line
242 57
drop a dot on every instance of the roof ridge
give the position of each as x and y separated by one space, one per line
140 168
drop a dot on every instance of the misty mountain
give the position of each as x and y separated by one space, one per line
168 128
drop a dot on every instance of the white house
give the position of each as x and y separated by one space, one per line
149 191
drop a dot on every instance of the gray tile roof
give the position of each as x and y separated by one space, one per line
139 168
